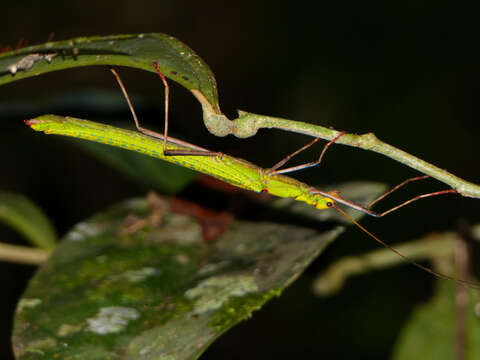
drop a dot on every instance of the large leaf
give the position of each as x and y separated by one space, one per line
431 331
28 219
158 292
175 59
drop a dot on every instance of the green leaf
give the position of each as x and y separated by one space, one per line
175 60
431 331
160 175
28 219
160 292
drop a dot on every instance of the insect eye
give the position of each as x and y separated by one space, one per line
329 204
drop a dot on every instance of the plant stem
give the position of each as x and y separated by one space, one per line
248 124
333 278
23 254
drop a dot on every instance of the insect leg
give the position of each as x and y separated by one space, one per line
274 169
192 149
366 209
418 197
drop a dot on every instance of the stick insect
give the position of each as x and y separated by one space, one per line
181 64
194 150
235 171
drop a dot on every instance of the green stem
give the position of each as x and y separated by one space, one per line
334 277
248 124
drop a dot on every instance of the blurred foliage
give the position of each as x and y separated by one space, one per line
160 175
433 332
28 219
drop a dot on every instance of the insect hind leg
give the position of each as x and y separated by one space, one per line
274 170
418 197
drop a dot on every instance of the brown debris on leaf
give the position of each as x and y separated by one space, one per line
159 206
213 223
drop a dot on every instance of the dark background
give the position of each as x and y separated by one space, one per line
407 71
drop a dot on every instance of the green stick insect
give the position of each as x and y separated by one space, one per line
235 171
182 65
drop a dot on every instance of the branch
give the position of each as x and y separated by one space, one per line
429 247
333 278
23 254
248 124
